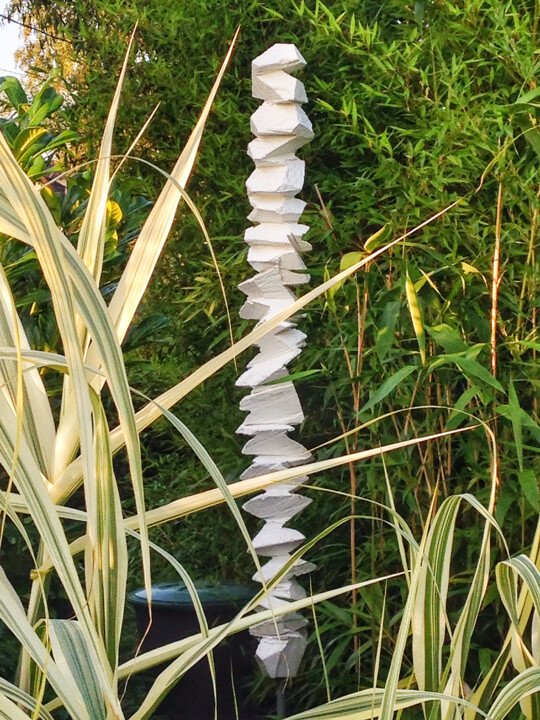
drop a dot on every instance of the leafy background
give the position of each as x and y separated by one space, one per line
414 107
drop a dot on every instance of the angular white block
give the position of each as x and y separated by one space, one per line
280 627
288 234
281 658
281 56
266 286
274 148
276 444
284 488
275 564
277 86
273 207
286 178
264 257
261 367
281 119
247 429
289 590
274 344
256 469
263 372
274 539
273 404
260 310
280 398
293 277
289 261
277 508
280 358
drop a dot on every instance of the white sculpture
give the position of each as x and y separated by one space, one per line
280 127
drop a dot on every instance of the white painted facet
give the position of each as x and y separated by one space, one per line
281 657
286 178
280 508
289 590
276 564
266 286
277 86
274 344
258 468
274 148
285 256
275 245
274 539
290 486
257 376
288 235
292 278
272 405
276 444
281 56
293 623
281 119
251 429
273 207
289 261
260 310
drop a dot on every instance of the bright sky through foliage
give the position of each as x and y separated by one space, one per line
9 43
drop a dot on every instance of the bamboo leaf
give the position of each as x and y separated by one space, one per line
416 316
366 705
529 485
387 387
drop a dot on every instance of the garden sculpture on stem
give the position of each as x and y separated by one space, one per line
275 244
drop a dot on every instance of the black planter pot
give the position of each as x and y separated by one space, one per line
174 618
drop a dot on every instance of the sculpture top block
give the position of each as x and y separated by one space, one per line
281 56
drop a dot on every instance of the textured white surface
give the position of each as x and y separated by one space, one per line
275 245
274 207
278 86
281 657
287 234
274 149
274 539
281 56
281 119
276 507
286 178
294 622
275 564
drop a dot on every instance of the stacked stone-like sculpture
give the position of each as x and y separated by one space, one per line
275 244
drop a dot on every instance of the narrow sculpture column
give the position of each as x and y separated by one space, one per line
275 244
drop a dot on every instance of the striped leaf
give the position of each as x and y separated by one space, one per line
74 659
106 557
13 616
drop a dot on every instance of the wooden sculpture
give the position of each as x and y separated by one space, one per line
275 244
